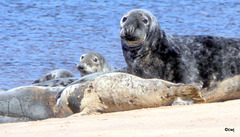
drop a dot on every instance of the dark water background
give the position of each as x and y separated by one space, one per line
37 36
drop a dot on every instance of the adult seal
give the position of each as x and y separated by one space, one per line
93 62
120 92
151 53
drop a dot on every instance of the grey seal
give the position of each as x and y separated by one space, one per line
91 65
93 62
83 79
152 53
28 103
118 91
61 82
55 74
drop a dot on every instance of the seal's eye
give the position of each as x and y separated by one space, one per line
145 21
124 19
95 59
82 57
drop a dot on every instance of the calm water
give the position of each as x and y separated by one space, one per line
40 36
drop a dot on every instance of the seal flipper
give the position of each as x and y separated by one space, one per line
189 92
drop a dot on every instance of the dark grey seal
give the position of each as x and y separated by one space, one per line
93 62
151 53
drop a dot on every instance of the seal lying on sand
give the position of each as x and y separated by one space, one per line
103 95
27 103
151 53
93 62
227 89
55 74
120 91
81 80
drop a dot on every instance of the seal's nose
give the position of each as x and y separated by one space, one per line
127 33
80 66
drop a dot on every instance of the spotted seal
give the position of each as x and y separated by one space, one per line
152 53
93 62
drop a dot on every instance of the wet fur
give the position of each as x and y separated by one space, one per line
185 59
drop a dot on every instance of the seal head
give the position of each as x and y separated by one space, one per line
92 62
138 27
146 47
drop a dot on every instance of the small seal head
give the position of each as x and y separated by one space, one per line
92 62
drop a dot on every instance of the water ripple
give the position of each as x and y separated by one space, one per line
39 36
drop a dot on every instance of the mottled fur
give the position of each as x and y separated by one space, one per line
61 82
151 53
120 92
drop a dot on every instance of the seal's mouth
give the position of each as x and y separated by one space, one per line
84 71
82 68
131 36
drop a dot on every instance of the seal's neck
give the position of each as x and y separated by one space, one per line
130 52
164 44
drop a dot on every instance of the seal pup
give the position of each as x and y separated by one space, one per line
93 62
151 53
55 74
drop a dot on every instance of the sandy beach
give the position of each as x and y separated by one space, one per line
211 119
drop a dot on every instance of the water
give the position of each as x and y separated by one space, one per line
42 35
